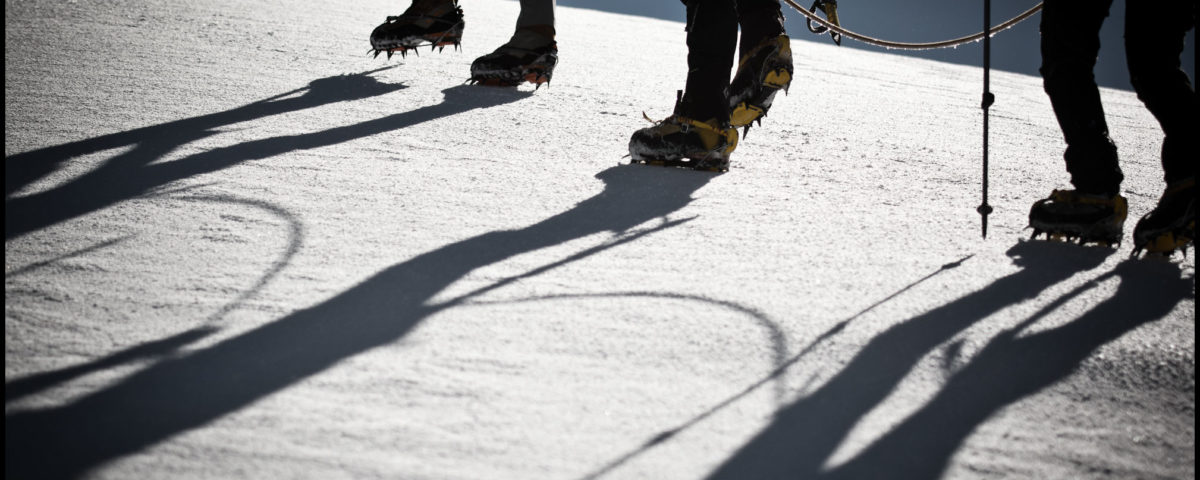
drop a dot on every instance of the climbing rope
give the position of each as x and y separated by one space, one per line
829 8
833 27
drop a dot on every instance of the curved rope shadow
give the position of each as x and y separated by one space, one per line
781 366
22 387
189 391
294 241
775 335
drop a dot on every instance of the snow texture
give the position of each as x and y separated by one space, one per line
238 247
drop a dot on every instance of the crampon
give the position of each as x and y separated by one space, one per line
761 73
1067 215
679 141
439 27
526 58
1171 225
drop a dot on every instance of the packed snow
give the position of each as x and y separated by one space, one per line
237 246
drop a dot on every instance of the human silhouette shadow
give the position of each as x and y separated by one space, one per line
132 173
25 168
1010 368
178 394
803 435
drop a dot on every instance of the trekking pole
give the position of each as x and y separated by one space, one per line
985 209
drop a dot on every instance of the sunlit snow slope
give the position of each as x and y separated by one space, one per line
236 246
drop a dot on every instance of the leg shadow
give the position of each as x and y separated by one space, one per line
179 394
25 168
806 433
1011 368
132 174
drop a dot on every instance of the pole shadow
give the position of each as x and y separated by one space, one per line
1011 367
16 272
133 173
179 394
804 435
22 387
781 367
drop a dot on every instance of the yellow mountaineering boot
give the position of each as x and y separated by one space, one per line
761 73
684 142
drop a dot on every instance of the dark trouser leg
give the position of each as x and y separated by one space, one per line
1070 43
711 39
1154 35
760 20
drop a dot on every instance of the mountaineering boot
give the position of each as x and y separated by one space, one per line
1172 224
1085 217
705 145
761 73
528 57
438 23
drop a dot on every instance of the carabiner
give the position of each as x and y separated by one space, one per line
829 8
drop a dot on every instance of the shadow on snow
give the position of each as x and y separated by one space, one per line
22 387
178 394
781 367
185 392
133 173
803 435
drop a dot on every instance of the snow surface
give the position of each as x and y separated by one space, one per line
237 247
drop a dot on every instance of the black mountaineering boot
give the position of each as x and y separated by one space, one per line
437 23
527 57
1172 224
